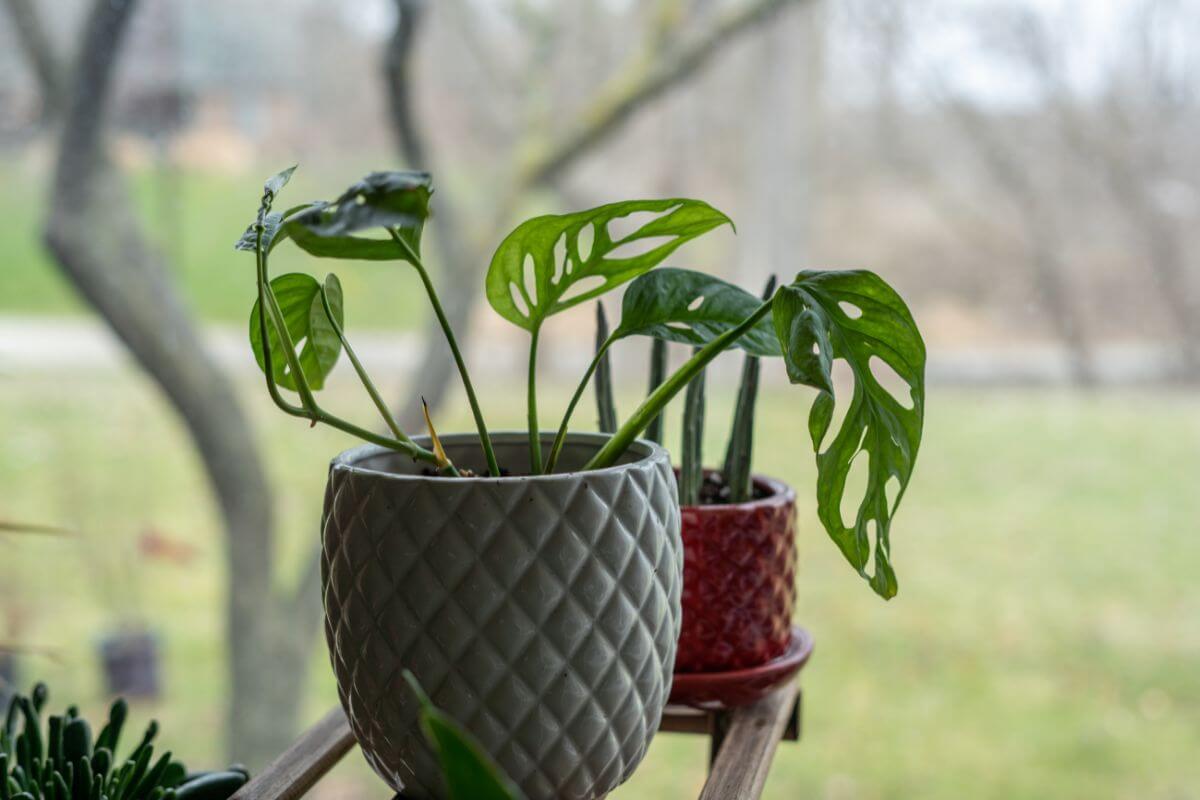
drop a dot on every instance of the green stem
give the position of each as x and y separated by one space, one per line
654 404
535 442
311 410
367 383
561 436
484 439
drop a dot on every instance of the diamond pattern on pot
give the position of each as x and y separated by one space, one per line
541 614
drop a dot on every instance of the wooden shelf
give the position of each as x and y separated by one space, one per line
742 747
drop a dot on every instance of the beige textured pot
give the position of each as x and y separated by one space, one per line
540 612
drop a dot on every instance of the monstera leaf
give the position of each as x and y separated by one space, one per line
680 305
855 316
547 265
299 297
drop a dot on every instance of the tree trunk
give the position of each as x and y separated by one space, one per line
93 234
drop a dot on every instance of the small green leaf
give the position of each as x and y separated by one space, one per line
384 201
299 297
547 290
680 305
277 181
856 316
469 772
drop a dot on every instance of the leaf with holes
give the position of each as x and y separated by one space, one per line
856 316
469 772
299 297
391 201
679 305
556 253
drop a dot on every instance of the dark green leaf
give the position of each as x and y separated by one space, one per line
381 201
739 453
605 403
856 316
658 374
689 307
469 772
691 458
299 297
547 290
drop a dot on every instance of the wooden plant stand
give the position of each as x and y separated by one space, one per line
742 746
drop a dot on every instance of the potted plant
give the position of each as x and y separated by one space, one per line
57 757
531 581
737 639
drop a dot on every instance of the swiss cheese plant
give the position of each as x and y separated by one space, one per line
554 262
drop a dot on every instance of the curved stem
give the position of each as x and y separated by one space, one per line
658 399
535 442
367 383
561 436
484 439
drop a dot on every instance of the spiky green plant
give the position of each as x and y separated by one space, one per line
63 762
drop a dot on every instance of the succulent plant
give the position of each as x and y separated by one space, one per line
62 761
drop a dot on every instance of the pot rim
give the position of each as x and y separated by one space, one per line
350 460
780 494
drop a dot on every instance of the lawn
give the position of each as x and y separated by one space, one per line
1045 642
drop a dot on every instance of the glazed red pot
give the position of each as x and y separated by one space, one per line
739 575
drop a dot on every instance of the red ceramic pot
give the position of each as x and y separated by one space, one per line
739 575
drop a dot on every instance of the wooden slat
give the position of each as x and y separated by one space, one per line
291 775
741 766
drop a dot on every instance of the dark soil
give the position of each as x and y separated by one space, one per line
715 492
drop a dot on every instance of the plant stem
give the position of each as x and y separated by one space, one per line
606 407
484 439
311 410
658 399
535 444
367 383
561 436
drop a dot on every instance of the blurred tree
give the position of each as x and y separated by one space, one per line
668 56
97 240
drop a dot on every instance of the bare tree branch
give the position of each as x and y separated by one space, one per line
639 83
96 239
38 52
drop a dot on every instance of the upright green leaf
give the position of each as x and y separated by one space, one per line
856 316
605 404
691 458
738 465
527 300
658 374
689 307
469 772
318 344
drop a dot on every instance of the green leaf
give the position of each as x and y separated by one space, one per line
269 221
547 290
299 298
680 305
469 772
383 201
856 316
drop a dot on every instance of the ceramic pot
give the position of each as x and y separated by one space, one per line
541 612
131 664
739 576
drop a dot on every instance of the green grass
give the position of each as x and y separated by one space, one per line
1045 642
193 219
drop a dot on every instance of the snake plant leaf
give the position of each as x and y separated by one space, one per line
319 346
469 772
856 316
588 269
679 305
382 201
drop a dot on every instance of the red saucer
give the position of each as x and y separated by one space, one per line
742 686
